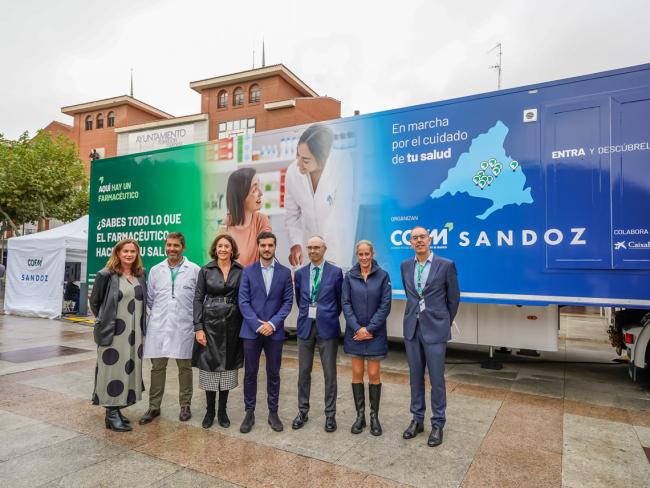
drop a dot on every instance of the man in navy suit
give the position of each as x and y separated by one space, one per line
265 300
318 295
432 299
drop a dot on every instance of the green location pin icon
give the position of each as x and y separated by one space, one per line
496 170
482 182
514 165
493 161
480 174
490 179
475 179
484 165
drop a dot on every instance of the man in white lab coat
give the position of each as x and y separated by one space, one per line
170 329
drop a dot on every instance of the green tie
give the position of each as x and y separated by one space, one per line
315 284
420 269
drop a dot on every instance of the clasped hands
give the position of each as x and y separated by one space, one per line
266 329
362 335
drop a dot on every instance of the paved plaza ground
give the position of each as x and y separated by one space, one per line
530 424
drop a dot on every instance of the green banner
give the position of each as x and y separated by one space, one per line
145 196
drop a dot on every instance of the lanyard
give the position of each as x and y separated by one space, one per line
174 272
420 269
315 285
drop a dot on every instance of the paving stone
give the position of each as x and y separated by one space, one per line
47 464
11 421
188 478
31 437
644 435
130 469
412 461
535 385
602 453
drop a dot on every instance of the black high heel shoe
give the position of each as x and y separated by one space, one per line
114 422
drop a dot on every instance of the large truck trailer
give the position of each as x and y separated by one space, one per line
538 194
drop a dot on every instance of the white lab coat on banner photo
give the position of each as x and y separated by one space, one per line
170 327
328 212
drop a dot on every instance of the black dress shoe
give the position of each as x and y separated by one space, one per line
124 419
275 422
330 424
114 422
435 438
148 416
300 420
413 429
186 413
248 422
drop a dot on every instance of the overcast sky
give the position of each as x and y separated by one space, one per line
370 55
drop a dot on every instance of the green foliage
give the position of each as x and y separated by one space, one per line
40 178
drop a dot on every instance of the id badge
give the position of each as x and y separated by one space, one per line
422 305
312 311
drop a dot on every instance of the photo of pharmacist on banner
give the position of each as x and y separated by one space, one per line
319 197
244 221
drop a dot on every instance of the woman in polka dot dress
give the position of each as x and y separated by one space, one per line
118 302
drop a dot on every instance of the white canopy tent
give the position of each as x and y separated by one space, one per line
36 268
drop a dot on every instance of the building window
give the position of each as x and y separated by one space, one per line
222 99
236 127
100 121
111 119
89 122
255 94
238 97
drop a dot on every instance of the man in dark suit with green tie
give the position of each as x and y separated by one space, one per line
432 299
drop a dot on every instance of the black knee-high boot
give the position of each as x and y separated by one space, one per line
210 399
222 416
359 396
375 397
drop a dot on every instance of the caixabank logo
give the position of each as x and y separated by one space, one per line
33 264
628 239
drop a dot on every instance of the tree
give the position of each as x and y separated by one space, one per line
40 178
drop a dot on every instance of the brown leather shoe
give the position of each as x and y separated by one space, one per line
185 414
148 416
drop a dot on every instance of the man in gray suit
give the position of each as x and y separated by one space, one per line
432 299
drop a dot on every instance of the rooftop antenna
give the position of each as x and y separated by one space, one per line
498 65
131 82
263 54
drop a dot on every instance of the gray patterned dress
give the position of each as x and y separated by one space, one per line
118 375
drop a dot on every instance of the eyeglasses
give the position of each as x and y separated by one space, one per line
419 237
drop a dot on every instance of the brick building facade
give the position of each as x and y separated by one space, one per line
95 123
272 96
256 100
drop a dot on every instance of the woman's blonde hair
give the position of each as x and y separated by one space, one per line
114 264
367 243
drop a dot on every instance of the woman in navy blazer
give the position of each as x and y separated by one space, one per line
366 301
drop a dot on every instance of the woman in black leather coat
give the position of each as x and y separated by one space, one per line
218 351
